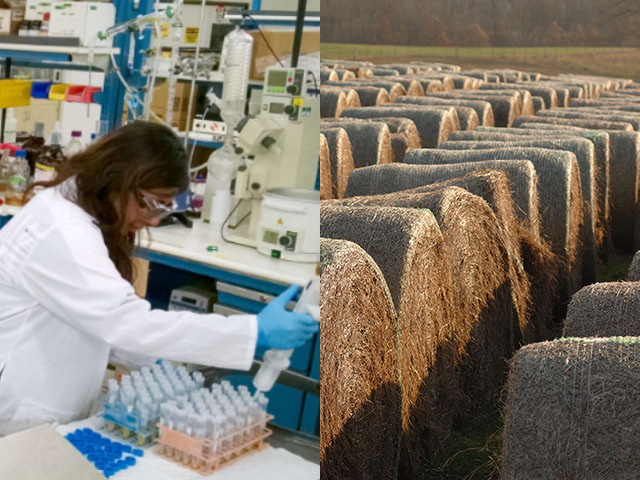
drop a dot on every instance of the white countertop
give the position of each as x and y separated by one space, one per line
191 244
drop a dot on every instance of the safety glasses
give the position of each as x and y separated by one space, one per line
152 208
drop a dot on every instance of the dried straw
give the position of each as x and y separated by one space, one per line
484 111
572 410
509 89
560 199
601 143
328 75
372 96
370 142
434 126
360 398
547 93
585 154
485 314
604 310
505 107
326 186
538 103
418 273
340 159
625 182
332 102
404 134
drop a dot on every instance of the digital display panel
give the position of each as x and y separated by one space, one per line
276 108
270 237
191 301
277 79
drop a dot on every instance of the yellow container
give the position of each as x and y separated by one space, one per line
15 93
58 91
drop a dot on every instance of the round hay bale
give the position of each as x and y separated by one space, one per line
332 102
608 104
585 155
450 110
634 120
384 72
360 398
485 312
483 110
411 85
601 144
571 410
589 123
506 89
340 159
547 93
395 177
394 89
328 75
402 68
634 269
625 185
404 134
372 96
418 273
326 183
539 261
431 85
353 99
445 79
434 126
505 107
345 74
464 117
370 142
604 310
560 199
538 103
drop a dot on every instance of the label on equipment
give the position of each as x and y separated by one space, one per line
191 35
164 29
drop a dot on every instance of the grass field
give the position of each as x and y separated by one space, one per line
606 61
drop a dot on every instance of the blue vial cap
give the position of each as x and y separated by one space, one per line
137 452
130 460
126 448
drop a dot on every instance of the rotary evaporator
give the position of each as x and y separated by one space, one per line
260 184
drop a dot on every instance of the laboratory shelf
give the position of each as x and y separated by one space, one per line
57 56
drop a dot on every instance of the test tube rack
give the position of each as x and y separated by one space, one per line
117 416
196 453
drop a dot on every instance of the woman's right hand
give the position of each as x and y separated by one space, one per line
281 329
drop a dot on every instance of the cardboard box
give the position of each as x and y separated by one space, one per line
82 20
282 43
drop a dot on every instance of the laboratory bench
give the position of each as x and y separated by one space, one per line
241 280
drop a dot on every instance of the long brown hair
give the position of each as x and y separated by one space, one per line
138 156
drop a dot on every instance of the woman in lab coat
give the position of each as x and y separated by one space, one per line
66 297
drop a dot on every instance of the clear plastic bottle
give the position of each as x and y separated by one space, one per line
75 145
10 127
56 137
17 178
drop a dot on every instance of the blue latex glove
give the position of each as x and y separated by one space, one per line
281 329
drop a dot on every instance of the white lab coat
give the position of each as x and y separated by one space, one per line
64 306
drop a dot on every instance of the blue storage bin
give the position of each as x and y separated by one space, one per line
40 89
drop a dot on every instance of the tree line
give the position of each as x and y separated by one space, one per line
482 22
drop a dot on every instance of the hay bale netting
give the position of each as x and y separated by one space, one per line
328 75
572 410
547 93
418 273
538 103
352 98
484 111
372 96
508 89
584 151
434 126
634 269
345 74
585 113
360 398
539 261
340 158
404 134
588 123
505 107
608 105
370 142
604 310
601 144
412 86
332 102
327 188
394 89
485 314
559 194
625 185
